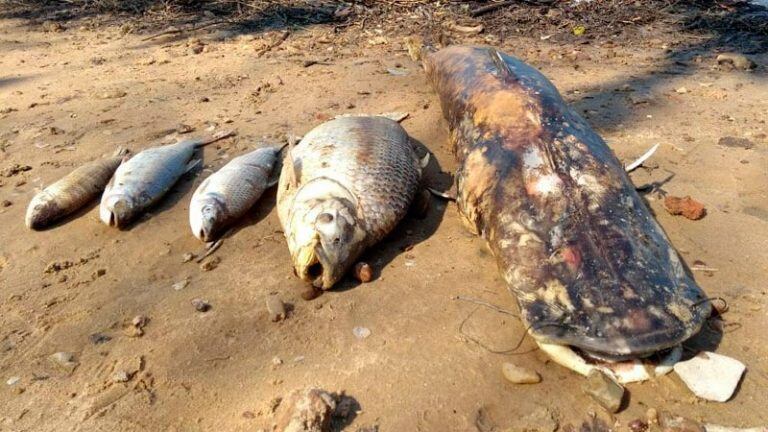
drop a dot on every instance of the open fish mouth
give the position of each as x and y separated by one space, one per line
310 267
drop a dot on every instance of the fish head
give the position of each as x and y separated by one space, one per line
41 210
205 219
117 209
326 239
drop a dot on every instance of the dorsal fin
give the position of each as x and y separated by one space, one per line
293 178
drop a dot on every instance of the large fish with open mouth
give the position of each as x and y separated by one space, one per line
589 265
229 192
145 178
342 189
72 192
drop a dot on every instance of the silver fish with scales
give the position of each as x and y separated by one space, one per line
72 192
229 192
343 188
145 178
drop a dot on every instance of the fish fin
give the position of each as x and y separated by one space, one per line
499 62
218 136
121 151
192 165
293 178
423 162
450 195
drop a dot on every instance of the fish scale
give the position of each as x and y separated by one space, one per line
362 173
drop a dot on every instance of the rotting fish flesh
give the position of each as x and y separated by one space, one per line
589 265
342 189
145 178
229 192
72 192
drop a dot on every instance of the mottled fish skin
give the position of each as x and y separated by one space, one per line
589 265
228 193
143 180
71 192
350 182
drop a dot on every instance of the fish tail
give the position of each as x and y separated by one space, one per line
121 151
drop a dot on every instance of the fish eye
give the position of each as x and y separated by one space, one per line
324 218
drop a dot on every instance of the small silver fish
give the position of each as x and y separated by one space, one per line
145 178
229 192
72 191
342 189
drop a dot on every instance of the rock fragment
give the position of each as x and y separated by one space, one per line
685 206
736 60
65 360
519 375
605 391
276 308
201 305
711 376
673 423
363 272
308 410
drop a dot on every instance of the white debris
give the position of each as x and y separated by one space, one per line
711 376
361 332
13 380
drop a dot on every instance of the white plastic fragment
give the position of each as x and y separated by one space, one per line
361 332
631 167
711 376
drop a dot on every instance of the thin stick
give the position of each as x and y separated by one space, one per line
274 44
211 247
175 31
492 7
486 304
631 167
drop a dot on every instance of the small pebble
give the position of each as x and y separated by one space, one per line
652 416
187 257
363 272
276 308
638 425
121 376
65 360
201 305
210 264
361 332
180 285
139 321
277 361
7 203
13 380
519 375
99 338
309 292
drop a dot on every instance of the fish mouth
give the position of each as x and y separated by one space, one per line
115 211
310 267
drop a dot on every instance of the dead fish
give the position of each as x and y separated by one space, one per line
145 178
342 189
72 192
589 265
230 192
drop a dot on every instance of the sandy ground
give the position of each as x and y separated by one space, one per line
72 96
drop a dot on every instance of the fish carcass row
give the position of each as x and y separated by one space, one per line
142 180
342 189
72 192
229 192
589 265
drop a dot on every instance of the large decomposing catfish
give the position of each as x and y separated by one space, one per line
589 265
342 189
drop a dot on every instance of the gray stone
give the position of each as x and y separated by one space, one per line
604 390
